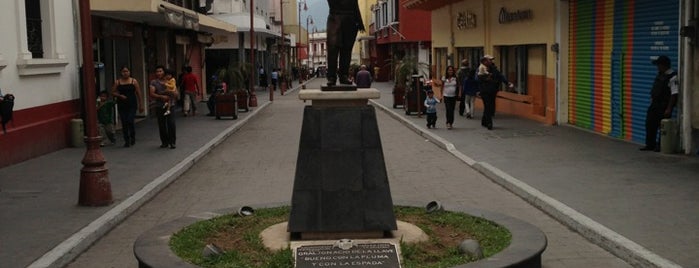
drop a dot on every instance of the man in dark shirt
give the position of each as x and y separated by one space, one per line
363 78
663 97
344 21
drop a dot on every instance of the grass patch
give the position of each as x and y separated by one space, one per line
239 238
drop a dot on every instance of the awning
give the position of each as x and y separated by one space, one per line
159 13
427 5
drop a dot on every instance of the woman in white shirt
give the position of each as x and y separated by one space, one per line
450 94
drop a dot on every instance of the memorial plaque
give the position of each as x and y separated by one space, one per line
375 255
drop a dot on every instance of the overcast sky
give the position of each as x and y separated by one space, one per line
318 9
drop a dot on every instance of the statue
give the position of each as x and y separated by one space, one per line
344 21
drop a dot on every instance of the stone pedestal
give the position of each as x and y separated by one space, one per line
341 185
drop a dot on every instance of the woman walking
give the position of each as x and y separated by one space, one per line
450 94
128 95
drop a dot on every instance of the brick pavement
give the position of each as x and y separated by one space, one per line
256 165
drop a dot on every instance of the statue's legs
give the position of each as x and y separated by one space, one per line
342 32
332 64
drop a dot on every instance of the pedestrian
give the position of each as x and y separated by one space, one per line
489 79
275 79
105 117
263 77
128 94
464 71
363 79
166 124
344 21
450 94
469 90
190 82
431 109
663 97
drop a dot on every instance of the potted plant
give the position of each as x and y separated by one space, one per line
407 89
237 77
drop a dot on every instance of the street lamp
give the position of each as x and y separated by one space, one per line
302 4
309 19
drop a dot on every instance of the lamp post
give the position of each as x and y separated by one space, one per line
302 4
252 101
309 19
95 188
283 42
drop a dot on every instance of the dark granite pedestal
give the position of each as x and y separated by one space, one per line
341 185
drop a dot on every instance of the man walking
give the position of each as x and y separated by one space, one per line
344 21
190 82
489 78
663 97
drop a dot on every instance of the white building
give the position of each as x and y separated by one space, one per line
39 66
40 58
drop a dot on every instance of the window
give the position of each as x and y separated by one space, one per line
518 62
396 9
440 58
37 35
473 54
384 14
34 35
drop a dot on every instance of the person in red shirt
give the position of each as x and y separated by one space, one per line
190 82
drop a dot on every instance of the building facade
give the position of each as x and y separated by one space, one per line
398 32
139 34
234 48
39 65
584 63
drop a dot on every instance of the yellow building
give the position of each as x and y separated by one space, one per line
520 34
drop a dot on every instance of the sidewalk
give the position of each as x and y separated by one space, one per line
648 197
38 197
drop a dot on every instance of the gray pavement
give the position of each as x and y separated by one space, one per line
256 164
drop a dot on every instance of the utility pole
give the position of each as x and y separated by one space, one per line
95 188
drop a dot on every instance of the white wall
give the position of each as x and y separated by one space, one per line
41 89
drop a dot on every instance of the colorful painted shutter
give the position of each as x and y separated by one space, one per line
612 43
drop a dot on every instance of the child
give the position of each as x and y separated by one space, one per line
105 116
171 87
431 111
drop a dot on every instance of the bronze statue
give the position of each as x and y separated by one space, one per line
344 21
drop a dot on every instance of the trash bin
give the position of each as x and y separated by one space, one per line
668 136
77 133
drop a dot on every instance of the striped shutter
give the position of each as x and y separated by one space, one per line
611 45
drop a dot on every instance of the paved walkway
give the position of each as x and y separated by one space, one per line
256 165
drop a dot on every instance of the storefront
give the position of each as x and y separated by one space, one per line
521 36
611 44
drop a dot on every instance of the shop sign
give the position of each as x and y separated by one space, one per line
466 20
515 16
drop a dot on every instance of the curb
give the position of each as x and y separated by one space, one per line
622 247
69 249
